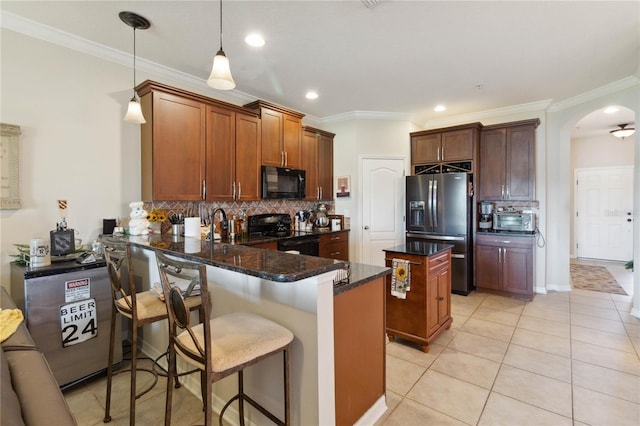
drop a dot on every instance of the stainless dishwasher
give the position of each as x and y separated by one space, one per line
67 309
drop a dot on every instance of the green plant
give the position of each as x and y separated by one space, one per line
629 265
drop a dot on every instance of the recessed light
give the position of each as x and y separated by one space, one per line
611 110
311 95
255 40
439 108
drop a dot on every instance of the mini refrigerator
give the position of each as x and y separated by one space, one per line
67 309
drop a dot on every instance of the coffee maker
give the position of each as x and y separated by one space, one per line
486 215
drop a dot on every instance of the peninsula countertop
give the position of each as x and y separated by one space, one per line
268 264
419 248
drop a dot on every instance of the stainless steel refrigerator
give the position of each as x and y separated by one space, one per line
438 210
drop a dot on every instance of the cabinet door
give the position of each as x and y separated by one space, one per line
178 148
444 294
325 167
488 267
492 164
425 149
433 303
457 145
309 156
221 153
291 141
272 152
517 271
247 158
520 163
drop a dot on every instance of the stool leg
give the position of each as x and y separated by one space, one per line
170 374
207 398
287 414
107 416
241 394
134 357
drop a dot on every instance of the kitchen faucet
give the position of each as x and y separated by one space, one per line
223 224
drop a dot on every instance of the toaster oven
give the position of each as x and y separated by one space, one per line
520 221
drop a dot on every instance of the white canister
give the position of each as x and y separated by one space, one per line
192 227
40 252
335 224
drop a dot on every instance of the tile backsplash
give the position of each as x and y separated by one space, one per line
232 208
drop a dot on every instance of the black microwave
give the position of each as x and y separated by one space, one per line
280 182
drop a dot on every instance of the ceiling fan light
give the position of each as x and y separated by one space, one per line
623 131
220 77
134 112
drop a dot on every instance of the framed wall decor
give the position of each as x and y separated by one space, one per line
9 167
343 186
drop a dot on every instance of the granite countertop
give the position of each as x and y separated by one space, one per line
360 274
421 249
268 264
258 239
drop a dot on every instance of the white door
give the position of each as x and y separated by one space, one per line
604 220
382 208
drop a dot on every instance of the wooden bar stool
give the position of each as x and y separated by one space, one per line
141 308
220 346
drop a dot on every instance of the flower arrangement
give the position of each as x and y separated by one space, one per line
157 216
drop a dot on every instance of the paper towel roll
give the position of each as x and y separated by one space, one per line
192 227
40 252
192 245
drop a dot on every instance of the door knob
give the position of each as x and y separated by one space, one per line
628 220
366 227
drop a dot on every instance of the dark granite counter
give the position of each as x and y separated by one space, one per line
360 274
268 264
421 249
259 239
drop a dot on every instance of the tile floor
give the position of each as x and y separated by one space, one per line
563 359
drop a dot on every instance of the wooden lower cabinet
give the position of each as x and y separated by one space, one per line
335 245
426 311
359 350
504 264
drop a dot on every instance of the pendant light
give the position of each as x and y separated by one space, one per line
623 131
220 77
137 22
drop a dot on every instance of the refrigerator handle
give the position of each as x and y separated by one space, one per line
435 203
430 204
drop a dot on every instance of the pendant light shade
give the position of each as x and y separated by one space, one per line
137 22
623 131
220 77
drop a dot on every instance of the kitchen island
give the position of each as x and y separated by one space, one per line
425 311
328 321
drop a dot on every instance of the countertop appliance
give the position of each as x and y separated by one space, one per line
486 215
67 309
519 221
283 183
438 210
279 225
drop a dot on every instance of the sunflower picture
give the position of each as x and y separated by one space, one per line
401 272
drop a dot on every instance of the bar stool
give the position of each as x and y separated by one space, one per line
220 346
141 308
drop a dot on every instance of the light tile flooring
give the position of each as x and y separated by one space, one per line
565 358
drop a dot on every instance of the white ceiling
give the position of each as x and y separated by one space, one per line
384 56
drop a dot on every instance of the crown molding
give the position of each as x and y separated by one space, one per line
367 115
55 36
607 89
479 116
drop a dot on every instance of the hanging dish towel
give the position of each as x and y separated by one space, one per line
400 278
10 319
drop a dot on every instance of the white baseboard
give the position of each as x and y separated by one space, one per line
557 287
374 413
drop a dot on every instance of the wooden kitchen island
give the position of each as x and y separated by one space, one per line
337 359
426 311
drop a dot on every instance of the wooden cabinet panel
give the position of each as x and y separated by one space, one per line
359 350
248 157
457 145
272 153
291 135
448 145
507 161
221 153
335 245
425 149
317 161
175 132
504 264
426 311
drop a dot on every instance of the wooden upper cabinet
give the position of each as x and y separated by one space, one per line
447 145
197 148
172 137
281 135
507 161
317 161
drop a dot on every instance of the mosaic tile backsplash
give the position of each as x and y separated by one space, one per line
234 208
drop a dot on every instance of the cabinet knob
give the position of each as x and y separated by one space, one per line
441 298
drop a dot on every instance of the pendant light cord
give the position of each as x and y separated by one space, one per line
220 24
134 62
